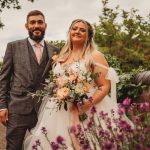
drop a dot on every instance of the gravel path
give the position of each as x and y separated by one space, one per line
2 137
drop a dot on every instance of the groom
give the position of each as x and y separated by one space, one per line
25 66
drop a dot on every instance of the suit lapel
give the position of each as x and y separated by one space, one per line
50 54
25 56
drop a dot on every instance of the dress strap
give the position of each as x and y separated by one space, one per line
100 65
113 77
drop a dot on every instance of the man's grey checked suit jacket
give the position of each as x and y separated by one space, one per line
16 77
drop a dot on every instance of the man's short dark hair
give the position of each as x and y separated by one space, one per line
35 13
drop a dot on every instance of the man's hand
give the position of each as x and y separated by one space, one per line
4 116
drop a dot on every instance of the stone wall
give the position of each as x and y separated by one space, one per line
144 77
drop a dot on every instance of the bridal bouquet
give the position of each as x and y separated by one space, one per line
71 86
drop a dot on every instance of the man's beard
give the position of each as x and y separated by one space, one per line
36 38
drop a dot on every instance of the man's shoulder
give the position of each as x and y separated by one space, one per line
18 41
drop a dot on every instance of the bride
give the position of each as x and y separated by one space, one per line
79 50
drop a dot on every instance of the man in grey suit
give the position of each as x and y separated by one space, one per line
25 67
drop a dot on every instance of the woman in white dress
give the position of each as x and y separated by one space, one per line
79 50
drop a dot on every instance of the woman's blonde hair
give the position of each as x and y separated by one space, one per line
88 48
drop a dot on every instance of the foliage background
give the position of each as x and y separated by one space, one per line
124 37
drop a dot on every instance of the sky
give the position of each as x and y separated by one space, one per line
59 14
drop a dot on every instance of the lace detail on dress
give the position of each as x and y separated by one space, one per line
76 67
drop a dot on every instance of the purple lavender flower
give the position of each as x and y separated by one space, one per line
34 147
148 147
101 132
103 115
147 130
38 143
123 131
121 110
137 120
120 136
104 133
132 107
145 106
93 110
140 147
86 145
90 124
72 129
60 140
44 131
126 103
79 127
108 145
54 146
138 129
124 125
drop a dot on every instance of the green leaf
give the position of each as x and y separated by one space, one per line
83 117
65 106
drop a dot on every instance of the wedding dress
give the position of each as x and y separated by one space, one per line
54 123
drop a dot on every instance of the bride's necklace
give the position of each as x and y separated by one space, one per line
75 57
72 60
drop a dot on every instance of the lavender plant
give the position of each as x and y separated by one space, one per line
116 133
110 131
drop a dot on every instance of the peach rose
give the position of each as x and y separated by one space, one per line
62 93
87 87
61 81
72 77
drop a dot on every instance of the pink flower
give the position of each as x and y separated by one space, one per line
127 102
121 110
145 106
137 120
60 140
73 129
62 93
54 146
